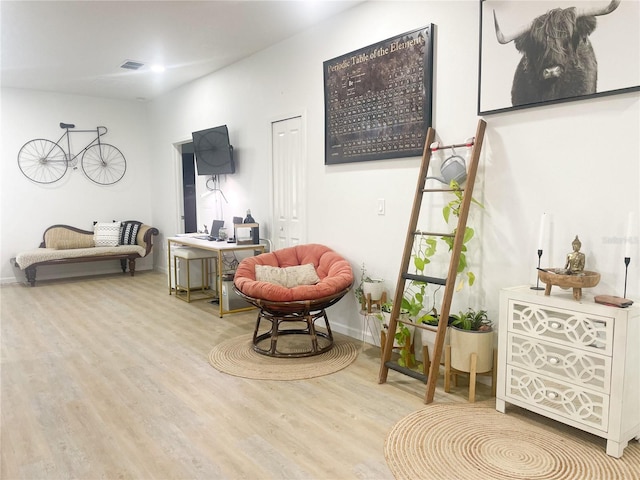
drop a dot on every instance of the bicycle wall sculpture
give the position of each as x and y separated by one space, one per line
44 161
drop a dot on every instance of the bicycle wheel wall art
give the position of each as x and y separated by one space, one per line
45 161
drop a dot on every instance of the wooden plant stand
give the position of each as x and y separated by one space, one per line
452 372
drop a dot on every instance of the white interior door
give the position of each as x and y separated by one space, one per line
289 200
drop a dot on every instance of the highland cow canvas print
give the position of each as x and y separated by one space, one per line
535 53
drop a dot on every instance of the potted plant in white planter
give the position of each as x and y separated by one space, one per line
374 287
472 332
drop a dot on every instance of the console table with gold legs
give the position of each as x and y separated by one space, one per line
219 248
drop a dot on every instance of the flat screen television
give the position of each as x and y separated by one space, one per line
214 153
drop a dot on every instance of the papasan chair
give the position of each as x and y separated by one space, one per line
292 287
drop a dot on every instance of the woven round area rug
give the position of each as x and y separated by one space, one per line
237 357
461 442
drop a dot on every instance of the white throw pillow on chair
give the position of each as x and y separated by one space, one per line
287 277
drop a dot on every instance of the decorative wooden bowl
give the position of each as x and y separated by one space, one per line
577 282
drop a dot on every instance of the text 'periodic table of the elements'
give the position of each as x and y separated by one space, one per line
378 100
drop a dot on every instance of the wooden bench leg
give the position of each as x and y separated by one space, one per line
30 273
132 266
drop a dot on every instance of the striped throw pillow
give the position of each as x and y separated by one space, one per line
129 233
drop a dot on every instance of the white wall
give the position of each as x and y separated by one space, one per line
28 208
576 161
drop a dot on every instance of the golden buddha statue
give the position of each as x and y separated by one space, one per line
575 259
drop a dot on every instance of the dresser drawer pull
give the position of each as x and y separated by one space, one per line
555 325
552 395
554 361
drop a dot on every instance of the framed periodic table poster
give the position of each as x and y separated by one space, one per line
377 100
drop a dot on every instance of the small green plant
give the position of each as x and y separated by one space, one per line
414 302
359 293
386 308
415 294
477 321
453 208
432 318
403 337
424 250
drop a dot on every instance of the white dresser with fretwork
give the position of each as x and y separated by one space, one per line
577 362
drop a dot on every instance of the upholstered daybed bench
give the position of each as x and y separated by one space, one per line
62 244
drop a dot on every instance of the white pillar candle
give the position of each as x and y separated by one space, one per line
541 235
628 239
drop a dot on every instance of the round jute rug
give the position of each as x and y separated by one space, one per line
460 442
237 357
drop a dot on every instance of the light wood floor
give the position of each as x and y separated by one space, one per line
108 377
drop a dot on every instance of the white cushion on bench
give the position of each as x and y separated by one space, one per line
106 234
28 258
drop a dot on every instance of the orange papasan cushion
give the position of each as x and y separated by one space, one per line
334 272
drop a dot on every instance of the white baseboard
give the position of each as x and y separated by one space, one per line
42 275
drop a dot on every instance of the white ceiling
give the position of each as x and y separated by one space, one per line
77 47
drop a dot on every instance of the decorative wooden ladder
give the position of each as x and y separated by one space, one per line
449 282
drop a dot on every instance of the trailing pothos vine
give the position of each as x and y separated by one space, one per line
453 209
415 295
425 249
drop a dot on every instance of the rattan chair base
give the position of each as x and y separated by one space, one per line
281 313
316 341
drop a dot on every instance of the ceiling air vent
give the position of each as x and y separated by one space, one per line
131 65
